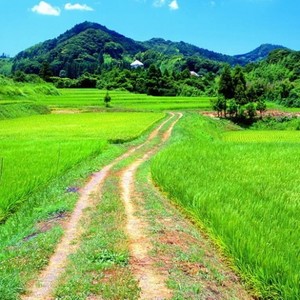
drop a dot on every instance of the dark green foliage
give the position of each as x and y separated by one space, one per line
259 53
220 106
232 108
107 99
188 50
5 66
261 106
277 123
251 110
239 86
45 71
277 78
226 87
236 98
76 51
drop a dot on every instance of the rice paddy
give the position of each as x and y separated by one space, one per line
80 98
243 187
36 149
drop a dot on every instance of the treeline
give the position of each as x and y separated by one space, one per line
151 81
242 92
237 98
277 78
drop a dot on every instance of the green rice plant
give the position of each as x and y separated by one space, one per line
17 110
39 148
122 100
259 136
243 187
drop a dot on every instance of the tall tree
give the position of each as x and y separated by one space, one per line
240 86
226 87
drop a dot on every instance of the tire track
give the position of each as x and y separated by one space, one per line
151 282
45 284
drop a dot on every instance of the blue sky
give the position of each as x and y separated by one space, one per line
225 26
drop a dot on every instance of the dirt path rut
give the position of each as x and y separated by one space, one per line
146 267
43 287
151 282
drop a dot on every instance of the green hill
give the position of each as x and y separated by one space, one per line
89 47
80 49
258 54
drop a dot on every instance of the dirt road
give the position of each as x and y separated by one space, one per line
154 274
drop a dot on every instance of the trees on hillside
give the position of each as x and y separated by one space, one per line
236 98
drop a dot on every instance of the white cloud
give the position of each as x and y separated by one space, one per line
159 3
78 6
44 8
174 5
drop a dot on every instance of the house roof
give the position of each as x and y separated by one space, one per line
193 73
136 63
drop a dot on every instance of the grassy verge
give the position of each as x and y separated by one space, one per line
244 194
182 251
100 267
38 223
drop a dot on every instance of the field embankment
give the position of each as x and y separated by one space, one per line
12 110
243 187
10 89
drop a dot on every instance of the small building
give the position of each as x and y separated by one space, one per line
136 64
193 73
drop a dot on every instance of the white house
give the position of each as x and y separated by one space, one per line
136 64
193 73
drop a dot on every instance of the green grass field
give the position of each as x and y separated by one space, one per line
36 149
243 187
260 136
80 98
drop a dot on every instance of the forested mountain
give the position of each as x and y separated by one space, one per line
277 78
173 48
259 53
90 55
80 49
90 47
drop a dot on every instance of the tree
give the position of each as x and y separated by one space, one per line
251 110
232 108
261 106
107 99
45 71
226 87
239 85
219 105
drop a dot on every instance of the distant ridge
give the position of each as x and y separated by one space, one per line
260 53
89 46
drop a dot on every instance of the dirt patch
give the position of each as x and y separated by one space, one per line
151 279
274 113
65 111
46 225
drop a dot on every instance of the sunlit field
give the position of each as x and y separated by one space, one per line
244 188
38 148
80 98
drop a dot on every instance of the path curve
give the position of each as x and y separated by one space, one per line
45 284
151 283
